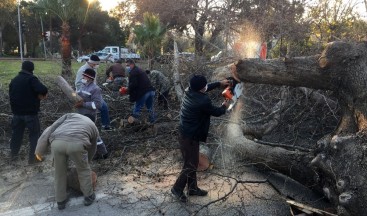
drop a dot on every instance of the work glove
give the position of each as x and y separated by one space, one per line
226 103
41 97
123 90
79 104
39 157
224 83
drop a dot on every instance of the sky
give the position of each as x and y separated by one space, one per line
107 5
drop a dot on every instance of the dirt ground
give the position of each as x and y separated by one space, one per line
137 177
132 183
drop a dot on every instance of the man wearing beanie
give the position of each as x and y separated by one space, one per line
25 93
91 101
93 63
196 109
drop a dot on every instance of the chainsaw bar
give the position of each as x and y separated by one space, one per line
237 92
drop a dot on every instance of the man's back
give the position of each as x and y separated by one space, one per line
159 81
23 92
117 70
139 84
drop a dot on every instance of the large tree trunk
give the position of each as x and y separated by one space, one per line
176 74
199 28
66 50
338 165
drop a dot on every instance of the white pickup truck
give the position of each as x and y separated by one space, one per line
120 52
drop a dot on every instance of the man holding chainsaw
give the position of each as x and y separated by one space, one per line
196 109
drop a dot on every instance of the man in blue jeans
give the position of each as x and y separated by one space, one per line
140 90
25 92
93 63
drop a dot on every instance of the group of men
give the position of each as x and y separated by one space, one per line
75 135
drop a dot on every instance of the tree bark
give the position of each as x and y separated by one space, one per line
338 164
66 50
176 75
68 91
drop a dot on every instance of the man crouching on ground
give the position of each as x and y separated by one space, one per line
72 136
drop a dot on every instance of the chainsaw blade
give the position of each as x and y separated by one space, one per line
237 92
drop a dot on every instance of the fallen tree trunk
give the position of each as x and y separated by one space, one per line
338 164
68 91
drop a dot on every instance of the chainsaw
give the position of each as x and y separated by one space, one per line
232 92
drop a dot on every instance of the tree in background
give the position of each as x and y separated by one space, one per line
178 15
7 9
99 29
332 20
149 36
96 31
212 21
64 10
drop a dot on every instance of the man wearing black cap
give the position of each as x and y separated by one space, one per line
196 109
92 101
25 92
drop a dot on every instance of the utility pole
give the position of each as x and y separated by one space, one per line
25 50
20 33
43 39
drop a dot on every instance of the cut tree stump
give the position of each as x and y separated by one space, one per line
73 180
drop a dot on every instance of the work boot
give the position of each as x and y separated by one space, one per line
101 156
179 195
33 160
62 205
13 157
197 192
153 129
89 200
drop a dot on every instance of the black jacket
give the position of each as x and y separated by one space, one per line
195 113
139 84
23 92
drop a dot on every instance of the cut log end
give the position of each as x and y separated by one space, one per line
323 62
341 185
345 198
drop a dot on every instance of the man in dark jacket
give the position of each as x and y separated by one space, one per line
196 109
25 92
140 90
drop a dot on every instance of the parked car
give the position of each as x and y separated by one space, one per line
103 56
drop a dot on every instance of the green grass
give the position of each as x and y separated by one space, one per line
10 68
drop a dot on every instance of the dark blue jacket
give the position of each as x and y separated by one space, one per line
195 113
139 84
23 92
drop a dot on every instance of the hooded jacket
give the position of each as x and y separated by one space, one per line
23 92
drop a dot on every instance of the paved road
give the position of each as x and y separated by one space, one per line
145 190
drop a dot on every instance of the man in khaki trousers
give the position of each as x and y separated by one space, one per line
72 136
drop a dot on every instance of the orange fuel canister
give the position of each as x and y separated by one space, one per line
227 93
